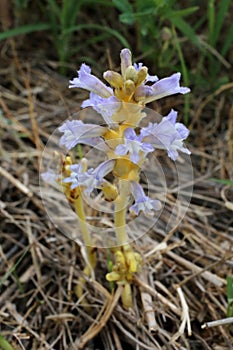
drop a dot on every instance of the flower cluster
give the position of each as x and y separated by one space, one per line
126 145
121 107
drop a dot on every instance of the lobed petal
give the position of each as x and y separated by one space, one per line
75 132
104 106
79 178
142 202
50 176
134 146
104 168
167 135
89 82
90 179
163 87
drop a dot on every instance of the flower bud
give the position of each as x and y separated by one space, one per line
113 78
113 276
110 191
129 87
126 61
131 74
83 163
66 165
142 75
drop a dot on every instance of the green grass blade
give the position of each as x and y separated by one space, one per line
24 30
230 296
130 17
182 13
222 181
211 21
65 13
111 31
54 8
72 11
4 345
185 76
21 4
12 269
228 40
54 15
185 29
230 289
219 18
80 151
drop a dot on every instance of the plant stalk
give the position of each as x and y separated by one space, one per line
120 213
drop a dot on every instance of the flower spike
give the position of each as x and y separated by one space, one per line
126 145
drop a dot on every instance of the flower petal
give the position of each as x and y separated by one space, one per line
167 135
163 87
89 82
90 179
134 146
130 134
75 132
142 202
105 106
121 150
50 176
104 168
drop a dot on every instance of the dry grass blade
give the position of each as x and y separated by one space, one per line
16 182
216 323
185 318
157 295
95 329
198 270
148 305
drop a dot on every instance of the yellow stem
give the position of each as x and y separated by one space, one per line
120 213
82 220
91 254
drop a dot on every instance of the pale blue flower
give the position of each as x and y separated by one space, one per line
102 97
76 132
142 202
134 146
161 88
180 128
50 176
167 135
182 134
90 179
105 106
78 177
89 82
